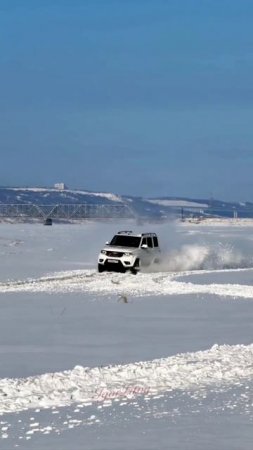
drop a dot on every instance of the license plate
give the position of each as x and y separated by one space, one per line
113 261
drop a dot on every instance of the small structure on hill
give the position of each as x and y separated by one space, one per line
60 186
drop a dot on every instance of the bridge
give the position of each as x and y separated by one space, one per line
66 211
79 211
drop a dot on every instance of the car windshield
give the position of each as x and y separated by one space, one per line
126 241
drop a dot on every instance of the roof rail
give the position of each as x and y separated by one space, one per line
125 232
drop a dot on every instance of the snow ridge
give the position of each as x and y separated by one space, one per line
116 283
217 367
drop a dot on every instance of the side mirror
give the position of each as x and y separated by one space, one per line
144 246
107 243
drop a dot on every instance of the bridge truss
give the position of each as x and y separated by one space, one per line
65 211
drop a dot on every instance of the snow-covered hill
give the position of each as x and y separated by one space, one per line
49 196
146 208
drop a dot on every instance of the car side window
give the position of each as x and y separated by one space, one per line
144 241
150 243
155 241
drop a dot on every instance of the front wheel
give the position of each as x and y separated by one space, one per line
100 268
135 269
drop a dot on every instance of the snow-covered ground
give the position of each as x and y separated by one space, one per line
159 360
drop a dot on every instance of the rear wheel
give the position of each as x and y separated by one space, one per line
100 268
156 261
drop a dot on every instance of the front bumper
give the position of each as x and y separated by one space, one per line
116 264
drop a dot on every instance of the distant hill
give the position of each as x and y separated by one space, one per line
141 207
48 196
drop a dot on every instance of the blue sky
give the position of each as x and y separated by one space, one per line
145 97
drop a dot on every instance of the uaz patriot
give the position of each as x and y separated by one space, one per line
129 251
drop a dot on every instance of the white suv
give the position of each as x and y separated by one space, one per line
129 251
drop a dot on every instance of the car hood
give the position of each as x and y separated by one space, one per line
121 249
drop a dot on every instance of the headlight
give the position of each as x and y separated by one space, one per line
128 254
104 252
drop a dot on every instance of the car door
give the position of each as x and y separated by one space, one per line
144 252
147 251
150 250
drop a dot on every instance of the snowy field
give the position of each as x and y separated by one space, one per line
160 360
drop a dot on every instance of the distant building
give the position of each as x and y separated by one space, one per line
60 186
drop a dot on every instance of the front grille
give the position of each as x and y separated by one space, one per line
116 254
116 267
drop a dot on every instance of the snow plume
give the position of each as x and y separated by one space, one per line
206 257
189 248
